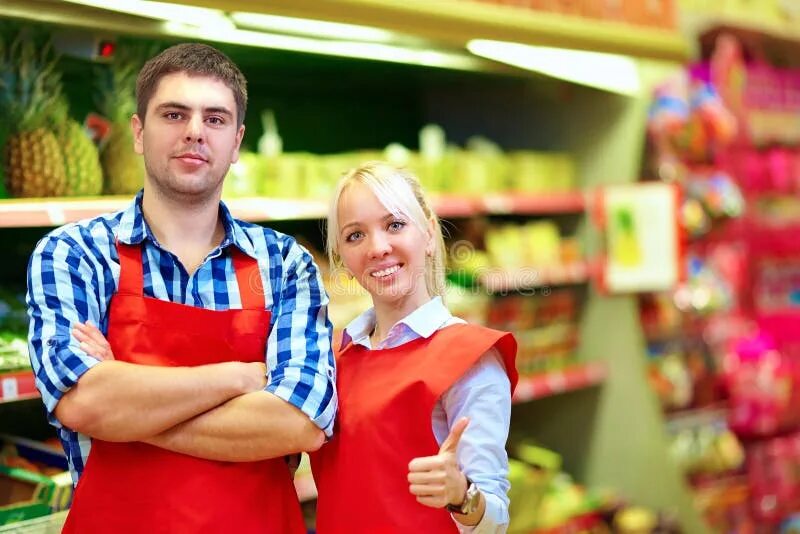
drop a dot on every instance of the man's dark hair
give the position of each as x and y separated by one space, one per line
194 59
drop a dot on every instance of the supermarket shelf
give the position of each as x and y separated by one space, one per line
697 417
510 204
531 204
58 211
17 386
573 378
700 21
531 278
305 487
455 22
16 213
49 524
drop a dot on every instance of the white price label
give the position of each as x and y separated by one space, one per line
10 389
56 214
498 204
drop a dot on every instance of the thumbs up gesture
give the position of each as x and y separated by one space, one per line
437 481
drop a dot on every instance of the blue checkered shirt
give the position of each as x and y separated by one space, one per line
74 272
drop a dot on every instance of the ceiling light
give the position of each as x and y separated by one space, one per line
311 28
609 72
195 16
350 49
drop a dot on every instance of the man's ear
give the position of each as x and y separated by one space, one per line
239 137
137 126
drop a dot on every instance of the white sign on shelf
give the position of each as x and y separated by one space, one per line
10 388
643 249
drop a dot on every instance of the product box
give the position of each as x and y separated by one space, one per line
34 480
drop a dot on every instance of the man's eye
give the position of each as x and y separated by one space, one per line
173 115
216 120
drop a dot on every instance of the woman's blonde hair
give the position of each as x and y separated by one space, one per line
401 193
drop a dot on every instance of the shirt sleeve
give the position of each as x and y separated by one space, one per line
300 361
60 293
484 395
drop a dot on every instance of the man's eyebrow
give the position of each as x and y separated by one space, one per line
218 109
172 105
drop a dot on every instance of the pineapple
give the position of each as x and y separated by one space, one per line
82 161
122 166
29 88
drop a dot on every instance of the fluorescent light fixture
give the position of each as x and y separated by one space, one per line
195 16
311 28
609 72
350 49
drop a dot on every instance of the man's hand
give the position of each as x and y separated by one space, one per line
92 341
437 481
254 374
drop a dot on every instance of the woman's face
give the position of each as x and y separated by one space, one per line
384 252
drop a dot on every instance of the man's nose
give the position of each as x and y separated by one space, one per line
194 130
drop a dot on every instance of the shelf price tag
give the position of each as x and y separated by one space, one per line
498 204
10 389
56 214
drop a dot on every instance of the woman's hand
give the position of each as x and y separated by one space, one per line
437 481
92 341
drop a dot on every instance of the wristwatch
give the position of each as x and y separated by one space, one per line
471 500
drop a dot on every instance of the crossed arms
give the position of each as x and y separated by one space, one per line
225 411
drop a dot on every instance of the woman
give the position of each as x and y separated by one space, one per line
424 398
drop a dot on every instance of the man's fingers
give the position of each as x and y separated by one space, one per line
84 333
451 443
95 333
93 350
79 335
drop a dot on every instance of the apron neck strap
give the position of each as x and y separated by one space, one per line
131 276
251 288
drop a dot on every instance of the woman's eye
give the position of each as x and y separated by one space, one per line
353 236
396 225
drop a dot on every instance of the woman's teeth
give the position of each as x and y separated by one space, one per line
386 272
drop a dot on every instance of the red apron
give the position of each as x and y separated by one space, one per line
129 488
386 398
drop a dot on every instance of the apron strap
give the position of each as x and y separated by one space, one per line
251 288
131 277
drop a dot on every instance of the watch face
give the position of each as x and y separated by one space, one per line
472 500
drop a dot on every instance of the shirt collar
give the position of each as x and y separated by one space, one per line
133 229
424 321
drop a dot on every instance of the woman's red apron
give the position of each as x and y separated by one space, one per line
129 488
386 398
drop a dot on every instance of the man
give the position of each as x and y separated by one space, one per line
176 425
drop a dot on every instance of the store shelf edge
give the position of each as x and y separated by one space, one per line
17 386
45 212
572 378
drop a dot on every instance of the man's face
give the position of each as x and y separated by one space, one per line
189 138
